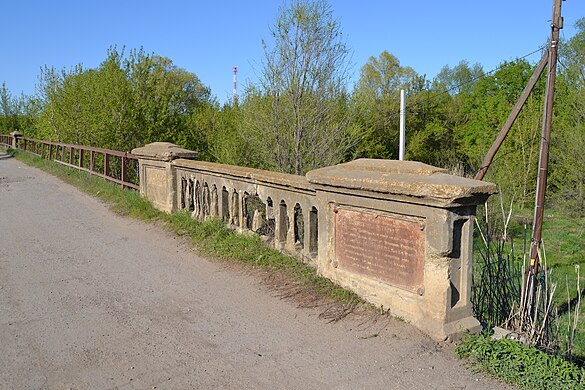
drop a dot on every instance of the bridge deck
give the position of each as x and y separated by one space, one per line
89 299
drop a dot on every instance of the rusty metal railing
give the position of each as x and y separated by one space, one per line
6 140
111 165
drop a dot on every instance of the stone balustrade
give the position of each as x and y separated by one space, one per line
398 233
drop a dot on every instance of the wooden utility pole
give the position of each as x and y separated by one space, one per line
557 24
532 272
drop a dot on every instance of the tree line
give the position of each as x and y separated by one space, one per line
302 113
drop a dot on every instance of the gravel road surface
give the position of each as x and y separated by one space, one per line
93 300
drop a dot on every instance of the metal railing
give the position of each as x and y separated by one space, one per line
6 140
111 165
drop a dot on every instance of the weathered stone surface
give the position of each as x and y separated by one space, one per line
417 181
16 135
258 175
257 221
388 249
163 151
156 186
398 233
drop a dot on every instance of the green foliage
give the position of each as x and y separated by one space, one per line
489 103
376 105
567 171
563 249
16 114
124 103
300 116
459 79
525 367
435 145
295 118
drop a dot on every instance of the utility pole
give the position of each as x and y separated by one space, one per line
535 242
402 125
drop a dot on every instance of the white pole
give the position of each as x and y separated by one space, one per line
402 125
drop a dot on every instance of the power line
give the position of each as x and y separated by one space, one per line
495 69
472 80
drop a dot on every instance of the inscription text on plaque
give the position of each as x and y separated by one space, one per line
387 249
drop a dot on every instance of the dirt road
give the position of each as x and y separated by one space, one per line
92 300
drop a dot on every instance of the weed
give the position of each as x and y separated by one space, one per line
522 366
498 276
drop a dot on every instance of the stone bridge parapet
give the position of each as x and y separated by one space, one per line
398 233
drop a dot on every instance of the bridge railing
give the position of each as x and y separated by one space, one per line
111 165
281 208
6 140
399 233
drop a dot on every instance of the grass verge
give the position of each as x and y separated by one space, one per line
519 365
288 276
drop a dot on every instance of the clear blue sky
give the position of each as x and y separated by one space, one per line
210 37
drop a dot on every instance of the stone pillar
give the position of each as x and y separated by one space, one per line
16 136
158 182
399 233
242 210
290 234
281 226
307 233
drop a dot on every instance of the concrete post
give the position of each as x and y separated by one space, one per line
16 136
399 233
157 174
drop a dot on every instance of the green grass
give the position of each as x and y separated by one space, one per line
210 237
520 365
563 239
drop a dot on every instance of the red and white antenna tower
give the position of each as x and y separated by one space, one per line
235 101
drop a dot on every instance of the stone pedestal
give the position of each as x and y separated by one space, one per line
399 234
157 178
16 135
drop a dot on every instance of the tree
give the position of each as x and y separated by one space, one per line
47 100
567 168
163 96
124 103
15 113
487 106
459 79
296 118
377 105
8 111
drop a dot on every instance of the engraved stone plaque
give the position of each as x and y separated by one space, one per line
385 248
156 185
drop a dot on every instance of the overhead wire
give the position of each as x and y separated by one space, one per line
472 80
